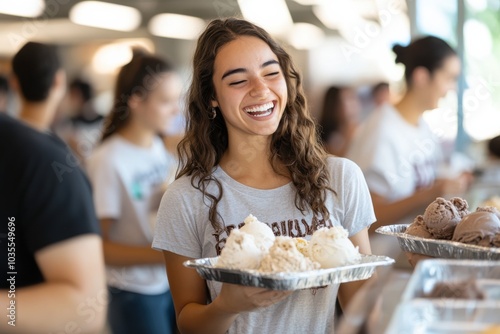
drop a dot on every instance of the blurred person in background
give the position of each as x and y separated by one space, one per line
380 94
494 147
85 124
129 171
4 93
396 149
52 233
489 171
339 119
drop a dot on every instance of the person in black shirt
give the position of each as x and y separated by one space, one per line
51 258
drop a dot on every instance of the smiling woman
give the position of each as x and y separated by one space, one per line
251 147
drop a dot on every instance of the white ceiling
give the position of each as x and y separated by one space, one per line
206 9
54 25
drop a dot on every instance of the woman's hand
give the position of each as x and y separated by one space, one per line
454 186
234 299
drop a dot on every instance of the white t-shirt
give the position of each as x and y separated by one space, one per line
396 157
128 184
183 228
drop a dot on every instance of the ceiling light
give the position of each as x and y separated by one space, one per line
110 57
272 15
105 15
336 13
25 8
176 26
305 36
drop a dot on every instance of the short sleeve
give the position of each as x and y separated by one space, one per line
357 202
176 227
106 186
378 162
58 203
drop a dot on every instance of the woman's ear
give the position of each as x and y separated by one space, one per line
133 101
214 103
420 76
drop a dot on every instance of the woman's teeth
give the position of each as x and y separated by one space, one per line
260 111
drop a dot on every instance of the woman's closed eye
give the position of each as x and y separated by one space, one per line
237 82
272 74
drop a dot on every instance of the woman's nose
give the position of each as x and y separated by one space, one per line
259 88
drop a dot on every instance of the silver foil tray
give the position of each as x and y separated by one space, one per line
290 281
438 317
429 272
438 248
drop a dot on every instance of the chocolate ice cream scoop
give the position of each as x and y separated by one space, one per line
456 290
418 228
441 217
461 205
478 228
491 209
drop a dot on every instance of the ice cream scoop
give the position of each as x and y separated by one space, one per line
263 234
478 228
457 290
490 209
441 217
461 205
284 256
240 252
331 248
418 228
302 245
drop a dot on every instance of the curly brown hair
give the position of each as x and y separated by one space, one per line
294 146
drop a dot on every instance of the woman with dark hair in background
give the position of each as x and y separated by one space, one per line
396 149
129 171
339 119
251 147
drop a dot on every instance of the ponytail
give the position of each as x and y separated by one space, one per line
132 79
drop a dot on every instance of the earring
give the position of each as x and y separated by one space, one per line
213 113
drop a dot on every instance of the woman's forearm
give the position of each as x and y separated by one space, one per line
212 318
125 255
391 212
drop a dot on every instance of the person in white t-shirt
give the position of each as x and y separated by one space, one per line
129 171
395 148
251 147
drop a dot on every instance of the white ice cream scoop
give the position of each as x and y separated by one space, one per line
331 248
240 252
263 234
